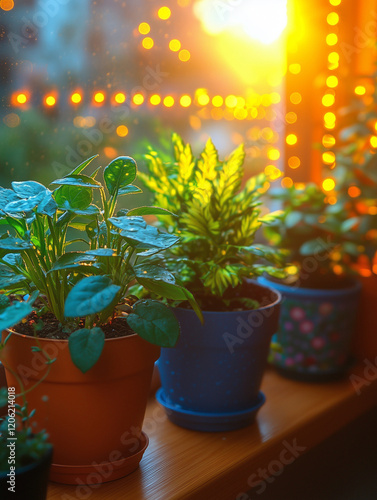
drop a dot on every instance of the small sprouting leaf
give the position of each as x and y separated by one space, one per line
154 322
90 296
149 211
86 347
81 167
120 173
28 189
14 314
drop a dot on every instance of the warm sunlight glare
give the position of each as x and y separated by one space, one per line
262 21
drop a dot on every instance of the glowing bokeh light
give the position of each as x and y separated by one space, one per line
174 45
138 99
6 4
332 81
360 90
291 139
203 99
217 101
354 191
21 98
184 55
328 184
261 21
331 39
120 98
295 98
50 100
99 97
373 141
294 68
291 117
164 13
122 131
168 101
144 28
294 162
147 42
328 157
76 98
328 100
328 141
332 18
155 99
286 182
185 101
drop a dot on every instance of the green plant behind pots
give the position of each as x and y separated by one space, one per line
356 172
88 288
16 427
218 221
319 238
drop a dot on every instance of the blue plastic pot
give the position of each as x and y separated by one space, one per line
315 330
211 379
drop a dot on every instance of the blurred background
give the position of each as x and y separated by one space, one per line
114 77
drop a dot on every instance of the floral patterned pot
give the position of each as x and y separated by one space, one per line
315 331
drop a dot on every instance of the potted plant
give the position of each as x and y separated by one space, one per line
320 297
356 191
211 379
102 342
25 456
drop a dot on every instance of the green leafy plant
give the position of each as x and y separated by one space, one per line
16 427
85 289
310 228
217 225
355 172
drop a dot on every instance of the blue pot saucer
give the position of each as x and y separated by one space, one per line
210 422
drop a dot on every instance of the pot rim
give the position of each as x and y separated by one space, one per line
133 335
314 292
275 303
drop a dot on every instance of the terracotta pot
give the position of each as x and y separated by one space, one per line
91 418
365 342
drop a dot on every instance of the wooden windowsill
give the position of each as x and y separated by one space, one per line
183 464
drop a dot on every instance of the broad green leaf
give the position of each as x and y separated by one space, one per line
81 167
271 217
78 180
293 218
154 322
120 173
349 224
153 272
130 224
312 247
28 189
67 260
3 396
149 237
92 210
25 205
73 197
14 314
86 347
150 211
131 189
102 252
47 206
7 196
14 259
9 282
90 296
11 243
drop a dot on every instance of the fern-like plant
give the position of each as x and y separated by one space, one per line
217 223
